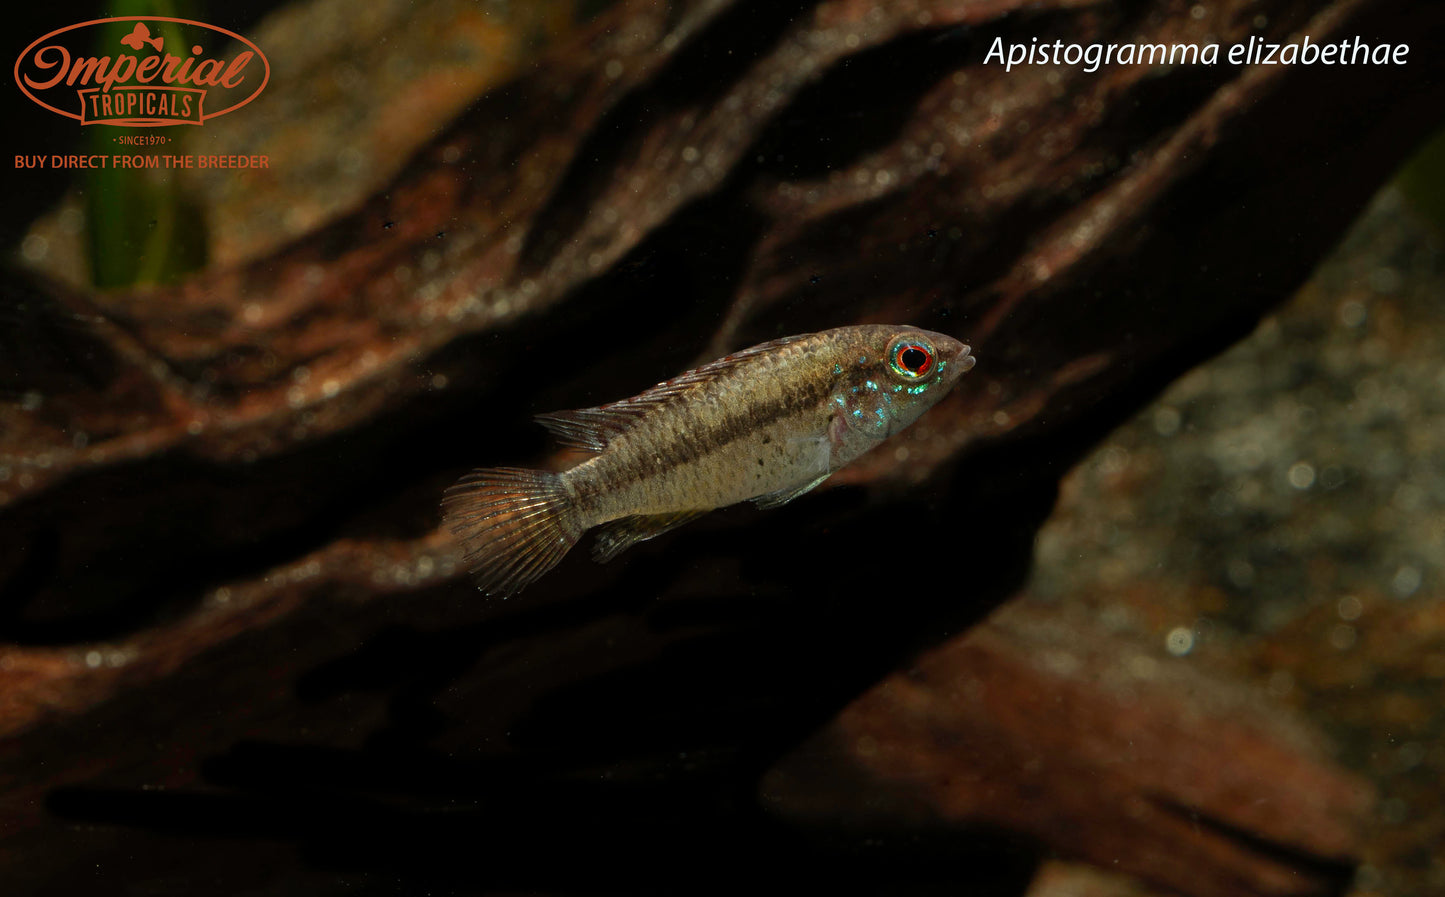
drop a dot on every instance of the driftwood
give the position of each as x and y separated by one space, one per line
1042 721
229 611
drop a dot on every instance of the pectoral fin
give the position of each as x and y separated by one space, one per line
783 496
619 535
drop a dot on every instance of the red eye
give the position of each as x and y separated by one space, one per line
912 359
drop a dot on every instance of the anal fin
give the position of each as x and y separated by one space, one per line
619 535
783 496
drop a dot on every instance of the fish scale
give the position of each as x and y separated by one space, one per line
766 424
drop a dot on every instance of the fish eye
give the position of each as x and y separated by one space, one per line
912 359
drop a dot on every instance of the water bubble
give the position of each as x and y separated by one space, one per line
1142 666
1411 754
72 221
1408 497
1352 313
1166 421
1301 475
1406 581
35 248
1179 641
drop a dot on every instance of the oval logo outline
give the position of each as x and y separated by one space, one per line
265 77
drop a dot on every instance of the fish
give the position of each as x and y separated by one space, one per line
765 424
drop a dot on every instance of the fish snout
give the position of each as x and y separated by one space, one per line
958 358
964 360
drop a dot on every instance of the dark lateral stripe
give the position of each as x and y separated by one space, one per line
736 425
634 459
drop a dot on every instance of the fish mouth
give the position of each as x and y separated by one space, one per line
965 359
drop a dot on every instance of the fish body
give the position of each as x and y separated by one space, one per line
766 424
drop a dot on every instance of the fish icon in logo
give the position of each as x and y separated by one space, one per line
142 35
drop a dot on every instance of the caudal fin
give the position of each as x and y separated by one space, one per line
515 525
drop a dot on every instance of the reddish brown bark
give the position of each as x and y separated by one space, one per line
1042 721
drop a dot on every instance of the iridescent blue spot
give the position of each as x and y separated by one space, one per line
870 384
837 369
862 359
857 412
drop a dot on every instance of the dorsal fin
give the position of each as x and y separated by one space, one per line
590 429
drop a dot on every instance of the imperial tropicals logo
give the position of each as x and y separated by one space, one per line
142 71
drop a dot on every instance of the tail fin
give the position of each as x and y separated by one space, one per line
515 525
